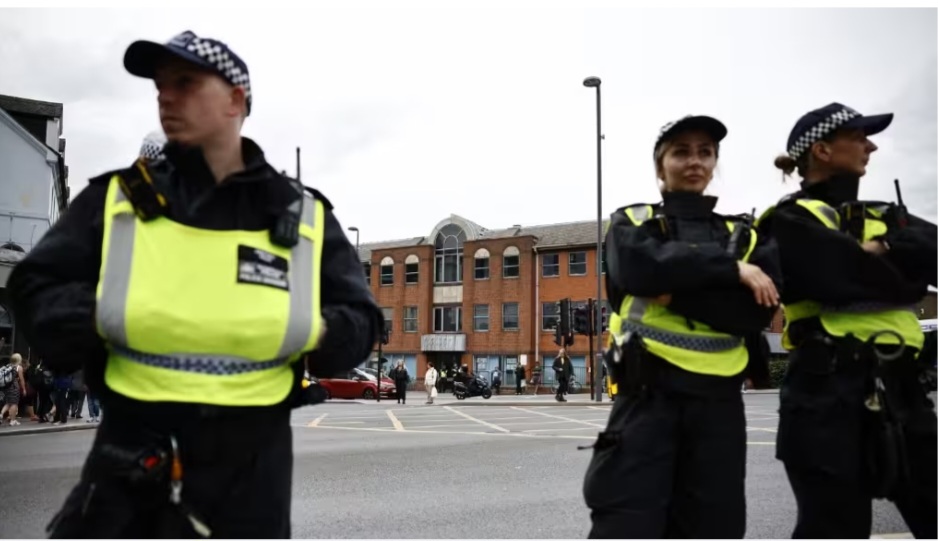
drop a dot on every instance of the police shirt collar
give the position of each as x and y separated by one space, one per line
835 190
190 160
688 204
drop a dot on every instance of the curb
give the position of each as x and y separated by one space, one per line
46 430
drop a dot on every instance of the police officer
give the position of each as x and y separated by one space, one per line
854 423
189 287
689 284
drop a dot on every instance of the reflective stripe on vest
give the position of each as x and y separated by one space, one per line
284 321
692 342
861 319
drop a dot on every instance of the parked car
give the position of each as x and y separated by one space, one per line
356 383
374 373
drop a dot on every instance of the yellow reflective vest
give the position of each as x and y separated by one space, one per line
861 319
200 316
690 345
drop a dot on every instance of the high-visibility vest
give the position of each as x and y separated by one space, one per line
201 316
861 319
690 345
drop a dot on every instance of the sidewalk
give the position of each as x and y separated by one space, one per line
418 398
33 427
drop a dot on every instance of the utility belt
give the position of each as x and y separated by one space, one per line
638 372
886 456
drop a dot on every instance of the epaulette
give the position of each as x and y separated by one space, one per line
786 200
319 197
105 177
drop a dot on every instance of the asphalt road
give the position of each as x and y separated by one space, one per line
390 471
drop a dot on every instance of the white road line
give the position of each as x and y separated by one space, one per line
603 408
760 429
561 417
555 429
315 422
397 424
409 432
347 422
480 421
537 422
906 535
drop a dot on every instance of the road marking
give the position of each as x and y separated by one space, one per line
347 422
603 408
892 536
397 424
550 429
538 422
315 422
480 421
760 429
464 433
561 417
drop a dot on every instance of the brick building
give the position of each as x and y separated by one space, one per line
485 298
465 294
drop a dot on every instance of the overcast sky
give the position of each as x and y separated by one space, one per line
407 115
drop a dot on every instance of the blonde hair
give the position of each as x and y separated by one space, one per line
659 160
16 358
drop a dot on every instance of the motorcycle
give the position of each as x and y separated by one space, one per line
477 387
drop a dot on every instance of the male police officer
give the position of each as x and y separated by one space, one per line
206 275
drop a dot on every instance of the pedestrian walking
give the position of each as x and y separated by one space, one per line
401 379
13 386
188 287
855 424
563 369
519 379
687 285
429 382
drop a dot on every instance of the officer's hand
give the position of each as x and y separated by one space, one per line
759 282
322 332
663 300
875 247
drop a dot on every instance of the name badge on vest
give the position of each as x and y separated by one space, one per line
256 266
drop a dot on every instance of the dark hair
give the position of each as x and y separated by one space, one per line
787 164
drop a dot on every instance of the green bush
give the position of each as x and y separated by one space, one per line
777 372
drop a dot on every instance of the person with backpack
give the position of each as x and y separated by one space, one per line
13 385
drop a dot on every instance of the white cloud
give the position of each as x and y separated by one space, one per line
407 115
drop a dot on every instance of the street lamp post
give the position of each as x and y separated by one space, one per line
595 82
355 229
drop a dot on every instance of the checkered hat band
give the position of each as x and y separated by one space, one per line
151 151
819 131
217 55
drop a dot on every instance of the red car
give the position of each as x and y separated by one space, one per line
355 383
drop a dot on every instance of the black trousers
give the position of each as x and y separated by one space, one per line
562 384
824 440
237 480
60 396
671 462
401 392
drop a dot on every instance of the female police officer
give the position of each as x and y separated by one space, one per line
689 284
206 276
853 425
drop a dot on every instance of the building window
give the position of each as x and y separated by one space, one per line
411 269
366 266
387 271
577 264
388 319
410 319
511 263
510 316
550 265
448 258
480 318
549 313
482 264
447 319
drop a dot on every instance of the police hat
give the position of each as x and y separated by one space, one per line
709 125
819 123
142 58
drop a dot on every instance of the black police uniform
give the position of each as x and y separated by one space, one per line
237 460
672 460
826 435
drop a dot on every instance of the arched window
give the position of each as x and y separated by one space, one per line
387 271
482 264
511 263
449 254
411 269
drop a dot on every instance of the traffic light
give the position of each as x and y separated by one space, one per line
565 317
385 335
581 320
604 324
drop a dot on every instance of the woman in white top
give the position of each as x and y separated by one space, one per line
429 382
